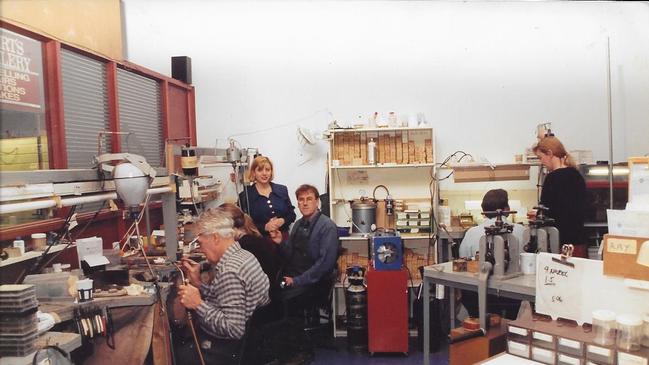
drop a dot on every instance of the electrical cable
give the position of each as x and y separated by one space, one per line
190 179
71 240
190 319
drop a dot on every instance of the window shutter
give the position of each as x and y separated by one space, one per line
85 103
139 113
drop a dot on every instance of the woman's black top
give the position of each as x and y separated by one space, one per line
564 193
265 252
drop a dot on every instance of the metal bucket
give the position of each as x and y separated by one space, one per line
363 216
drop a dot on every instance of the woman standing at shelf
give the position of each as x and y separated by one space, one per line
267 203
563 193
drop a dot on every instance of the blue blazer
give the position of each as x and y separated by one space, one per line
262 209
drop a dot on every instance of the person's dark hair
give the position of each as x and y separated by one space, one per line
495 199
306 188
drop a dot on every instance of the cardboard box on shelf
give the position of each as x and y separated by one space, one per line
626 257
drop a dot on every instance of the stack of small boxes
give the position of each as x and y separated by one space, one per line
413 221
393 147
550 343
18 322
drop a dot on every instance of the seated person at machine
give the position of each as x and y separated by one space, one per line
223 305
308 255
251 240
493 200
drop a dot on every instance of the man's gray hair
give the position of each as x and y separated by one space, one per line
216 221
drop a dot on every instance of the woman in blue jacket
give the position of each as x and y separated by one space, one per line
267 203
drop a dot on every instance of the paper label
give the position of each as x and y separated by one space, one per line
599 350
569 343
518 349
518 331
628 359
568 359
621 245
542 336
542 354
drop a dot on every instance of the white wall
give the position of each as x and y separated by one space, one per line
484 73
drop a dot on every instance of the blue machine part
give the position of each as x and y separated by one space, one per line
387 253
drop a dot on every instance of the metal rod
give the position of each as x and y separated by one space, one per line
66 202
610 122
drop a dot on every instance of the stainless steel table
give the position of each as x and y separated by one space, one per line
521 287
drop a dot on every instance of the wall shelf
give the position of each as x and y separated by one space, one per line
382 166
378 129
479 173
32 254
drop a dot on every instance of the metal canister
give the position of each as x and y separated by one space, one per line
363 216
356 305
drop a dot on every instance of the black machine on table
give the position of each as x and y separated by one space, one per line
541 235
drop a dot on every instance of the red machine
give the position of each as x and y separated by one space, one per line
387 310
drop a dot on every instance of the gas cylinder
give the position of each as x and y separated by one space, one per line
356 304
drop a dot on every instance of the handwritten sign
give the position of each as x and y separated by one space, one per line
558 288
622 245
575 292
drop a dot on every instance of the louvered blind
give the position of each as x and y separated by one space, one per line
85 104
139 113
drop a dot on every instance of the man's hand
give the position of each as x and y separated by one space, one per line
276 236
274 224
288 280
190 297
192 271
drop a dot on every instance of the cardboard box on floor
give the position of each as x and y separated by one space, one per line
476 349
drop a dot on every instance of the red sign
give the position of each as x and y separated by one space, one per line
21 70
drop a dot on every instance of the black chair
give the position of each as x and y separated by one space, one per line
252 351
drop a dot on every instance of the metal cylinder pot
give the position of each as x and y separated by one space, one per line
363 216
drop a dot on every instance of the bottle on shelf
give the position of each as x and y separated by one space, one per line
371 152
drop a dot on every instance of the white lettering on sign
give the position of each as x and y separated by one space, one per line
621 245
20 71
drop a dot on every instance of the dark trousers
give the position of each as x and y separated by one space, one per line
221 352
506 307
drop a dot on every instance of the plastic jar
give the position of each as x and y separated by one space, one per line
629 332
39 241
645 331
604 327
19 244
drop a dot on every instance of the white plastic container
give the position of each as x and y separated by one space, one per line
645 331
528 263
84 288
604 327
20 244
629 332
39 241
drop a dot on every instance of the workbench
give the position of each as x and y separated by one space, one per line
521 287
63 310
